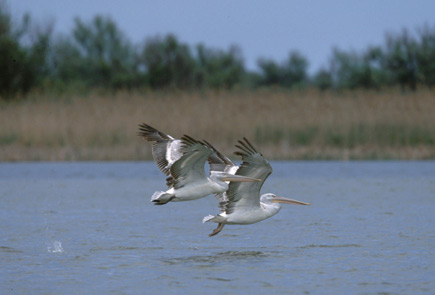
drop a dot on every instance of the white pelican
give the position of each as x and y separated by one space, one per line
186 175
242 203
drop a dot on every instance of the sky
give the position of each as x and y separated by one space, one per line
267 29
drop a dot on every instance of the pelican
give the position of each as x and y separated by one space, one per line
242 203
166 150
183 162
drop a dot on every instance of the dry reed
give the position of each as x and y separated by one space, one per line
283 125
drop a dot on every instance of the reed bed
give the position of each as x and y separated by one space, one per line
282 124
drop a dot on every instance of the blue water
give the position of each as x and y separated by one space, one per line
89 228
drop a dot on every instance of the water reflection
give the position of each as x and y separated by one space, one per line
9 250
221 257
329 246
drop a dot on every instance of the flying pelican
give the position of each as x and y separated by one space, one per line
242 203
166 150
185 168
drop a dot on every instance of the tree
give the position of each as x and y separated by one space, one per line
218 68
18 70
323 79
426 55
291 73
354 70
295 70
270 72
401 59
167 63
97 53
375 75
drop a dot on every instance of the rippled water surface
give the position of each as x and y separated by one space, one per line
89 228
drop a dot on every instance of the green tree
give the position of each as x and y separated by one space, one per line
270 72
291 73
167 63
97 53
345 69
295 70
69 66
401 59
20 66
323 79
357 70
39 52
374 72
426 55
218 68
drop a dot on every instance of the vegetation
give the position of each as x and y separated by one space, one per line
98 55
81 96
303 124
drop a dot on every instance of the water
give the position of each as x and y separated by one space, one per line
89 228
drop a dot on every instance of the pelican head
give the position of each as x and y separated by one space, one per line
272 198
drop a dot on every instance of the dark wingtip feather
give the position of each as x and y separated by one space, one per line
246 148
152 134
146 130
210 146
188 140
250 145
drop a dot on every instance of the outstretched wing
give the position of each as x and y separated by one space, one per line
247 194
165 149
190 167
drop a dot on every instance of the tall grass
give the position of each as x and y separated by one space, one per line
283 125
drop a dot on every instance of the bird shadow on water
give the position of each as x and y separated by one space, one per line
329 246
216 258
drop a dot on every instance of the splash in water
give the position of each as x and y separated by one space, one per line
56 247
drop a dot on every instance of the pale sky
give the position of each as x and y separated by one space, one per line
261 28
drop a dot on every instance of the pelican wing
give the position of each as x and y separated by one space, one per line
165 149
220 162
223 201
190 167
247 194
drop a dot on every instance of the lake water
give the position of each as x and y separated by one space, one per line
89 228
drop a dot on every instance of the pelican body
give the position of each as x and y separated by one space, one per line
183 162
242 203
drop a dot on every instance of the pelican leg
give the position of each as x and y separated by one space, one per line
217 229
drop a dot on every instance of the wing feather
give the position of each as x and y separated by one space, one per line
190 167
247 194
165 149
220 162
